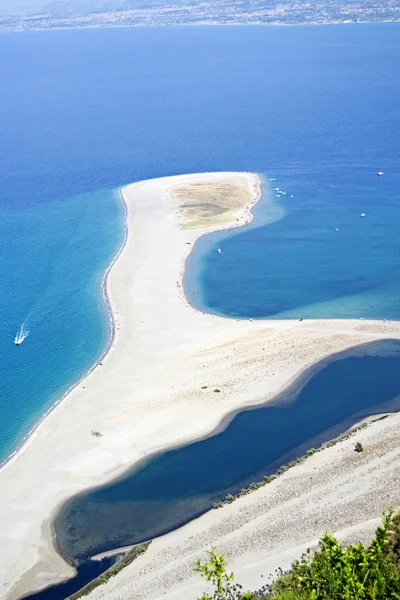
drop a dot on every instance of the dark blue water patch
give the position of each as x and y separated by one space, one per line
171 488
85 572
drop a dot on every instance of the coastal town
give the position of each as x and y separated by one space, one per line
114 13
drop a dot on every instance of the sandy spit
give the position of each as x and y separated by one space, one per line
147 396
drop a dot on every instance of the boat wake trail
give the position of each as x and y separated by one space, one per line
21 335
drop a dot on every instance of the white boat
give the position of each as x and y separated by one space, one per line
21 335
363 215
380 173
219 251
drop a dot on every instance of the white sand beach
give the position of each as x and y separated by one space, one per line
146 395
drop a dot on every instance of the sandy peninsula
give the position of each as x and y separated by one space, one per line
146 395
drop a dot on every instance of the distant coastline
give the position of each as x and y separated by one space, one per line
221 15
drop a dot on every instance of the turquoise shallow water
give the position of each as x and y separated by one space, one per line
52 269
83 112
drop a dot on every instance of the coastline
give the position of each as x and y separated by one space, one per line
206 24
149 376
103 355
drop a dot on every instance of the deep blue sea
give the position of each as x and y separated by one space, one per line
83 112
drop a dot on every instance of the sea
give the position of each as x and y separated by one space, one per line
314 109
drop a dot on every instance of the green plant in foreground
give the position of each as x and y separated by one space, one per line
333 572
358 447
352 573
214 570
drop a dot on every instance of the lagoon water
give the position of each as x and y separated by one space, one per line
171 488
84 112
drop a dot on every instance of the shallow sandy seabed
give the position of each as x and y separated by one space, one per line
147 396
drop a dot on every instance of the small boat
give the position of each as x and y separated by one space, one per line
363 215
380 173
219 251
21 335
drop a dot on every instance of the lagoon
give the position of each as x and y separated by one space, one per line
169 489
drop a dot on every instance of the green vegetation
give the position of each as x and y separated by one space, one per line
214 570
112 571
217 390
359 447
333 572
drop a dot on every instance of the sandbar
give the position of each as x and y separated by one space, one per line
147 393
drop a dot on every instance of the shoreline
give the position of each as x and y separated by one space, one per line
247 218
353 429
106 293
202 24
160 342
108 346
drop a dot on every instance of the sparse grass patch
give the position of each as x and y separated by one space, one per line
112 571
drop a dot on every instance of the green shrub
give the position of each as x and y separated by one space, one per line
359 447
333 572
355 572
214 570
